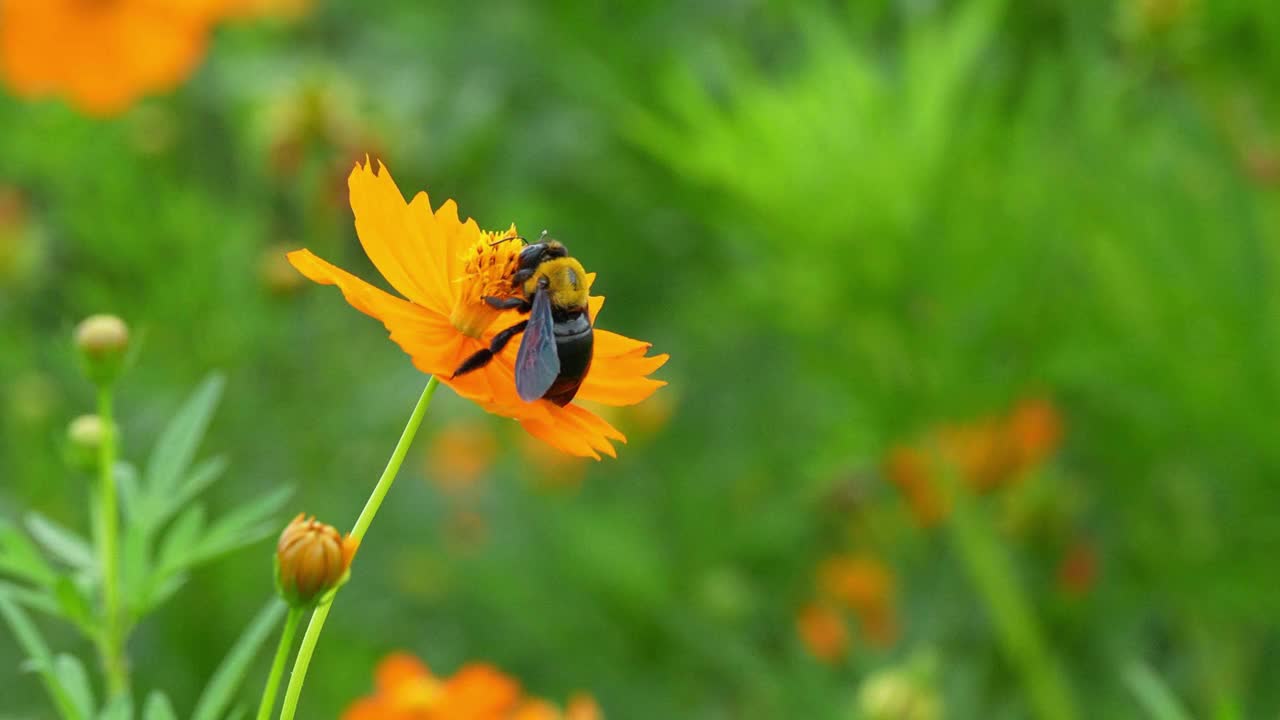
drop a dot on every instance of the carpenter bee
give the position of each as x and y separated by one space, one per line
555 352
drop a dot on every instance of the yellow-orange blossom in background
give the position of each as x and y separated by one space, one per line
405 689
102 55
444 267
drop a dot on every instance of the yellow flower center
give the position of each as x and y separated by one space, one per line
487 267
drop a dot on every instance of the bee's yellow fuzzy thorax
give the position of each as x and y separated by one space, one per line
567 282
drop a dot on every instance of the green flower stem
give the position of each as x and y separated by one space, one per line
277 666
1014 622
312 636
112 643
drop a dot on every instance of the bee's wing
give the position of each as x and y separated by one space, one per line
537 363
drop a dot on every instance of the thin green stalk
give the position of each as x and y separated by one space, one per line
111 644
312 635
1010 613
277 666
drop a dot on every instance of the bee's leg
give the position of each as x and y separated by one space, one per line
482 357
510 303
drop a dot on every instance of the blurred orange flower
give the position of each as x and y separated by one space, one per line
879 625
908 468
275 8
860 583
405 689
823 631
1078 570
445 267
985 454
981 452
459 454
102 55
865 586
1035 430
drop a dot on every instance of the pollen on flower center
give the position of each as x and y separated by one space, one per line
487 268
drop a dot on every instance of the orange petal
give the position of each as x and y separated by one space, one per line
368 709
559 438
619 372
536 710
574 430
394 241
428 338
27 32
397 670
448 236
582 707
480 691
618 392
611 344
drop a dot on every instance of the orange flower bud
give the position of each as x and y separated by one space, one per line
311 559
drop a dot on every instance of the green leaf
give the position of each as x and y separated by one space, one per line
173 556
201 477
131 497
243 526
181 541
37 650
239 712
75 679
219 693
36 599
19 557
121 708
61 542
165 590
158 707
1153 694
178 442
73 605
135 567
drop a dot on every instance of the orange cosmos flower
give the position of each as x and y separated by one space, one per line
459 455
1035 431
267 8
823 631
101 55
445 267
1078 569
866 586
861 583
986 455
908 468
405 689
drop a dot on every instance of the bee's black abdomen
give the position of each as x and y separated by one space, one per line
574 344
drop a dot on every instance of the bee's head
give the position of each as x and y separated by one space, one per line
565 279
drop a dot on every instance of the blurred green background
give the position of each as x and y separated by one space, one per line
847 223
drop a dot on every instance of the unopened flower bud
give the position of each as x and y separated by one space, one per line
311 559
84 438
896 694
102 340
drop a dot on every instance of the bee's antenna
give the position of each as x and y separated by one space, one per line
499 241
